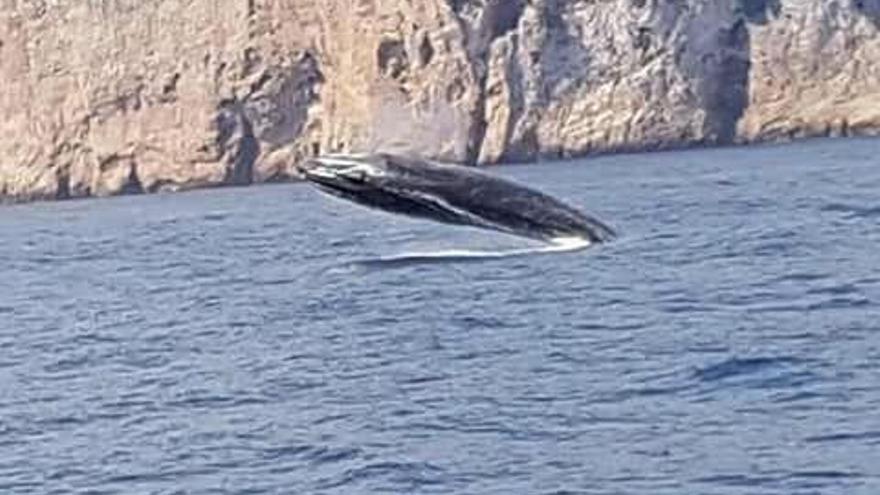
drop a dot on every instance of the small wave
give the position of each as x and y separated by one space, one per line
413 474
559 245
847 436
852 211
734 367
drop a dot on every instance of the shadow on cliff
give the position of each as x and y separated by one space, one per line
760 11
724 85
869 9
271 115
724 93
499 18
558 66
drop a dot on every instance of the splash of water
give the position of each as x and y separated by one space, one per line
558 245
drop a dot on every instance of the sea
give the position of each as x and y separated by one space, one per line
272 340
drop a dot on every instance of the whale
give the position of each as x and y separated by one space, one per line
451 194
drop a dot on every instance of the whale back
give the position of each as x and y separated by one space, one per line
469 196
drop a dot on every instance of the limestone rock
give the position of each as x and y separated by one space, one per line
815 71
102 98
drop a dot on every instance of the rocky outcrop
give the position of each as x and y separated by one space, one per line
101 98
579 77
815 70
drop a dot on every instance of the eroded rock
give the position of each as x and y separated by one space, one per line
109 98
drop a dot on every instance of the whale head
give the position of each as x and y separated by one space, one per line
374 180
350 174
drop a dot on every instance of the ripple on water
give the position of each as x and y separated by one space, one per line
760 372
853 211
397 475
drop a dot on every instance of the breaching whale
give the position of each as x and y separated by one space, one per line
452 194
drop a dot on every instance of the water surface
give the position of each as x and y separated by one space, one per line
246 341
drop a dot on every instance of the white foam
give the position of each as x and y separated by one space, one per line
559 245
569 244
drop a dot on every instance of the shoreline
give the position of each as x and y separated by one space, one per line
6 202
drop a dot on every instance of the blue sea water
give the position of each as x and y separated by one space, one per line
259 340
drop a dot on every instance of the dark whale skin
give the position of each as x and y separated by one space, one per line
451 194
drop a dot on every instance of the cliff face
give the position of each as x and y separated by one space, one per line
100 98
815 70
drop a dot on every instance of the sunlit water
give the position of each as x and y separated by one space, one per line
272 340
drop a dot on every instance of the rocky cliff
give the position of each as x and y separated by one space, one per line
100 97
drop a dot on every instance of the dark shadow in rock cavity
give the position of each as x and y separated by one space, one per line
760 11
